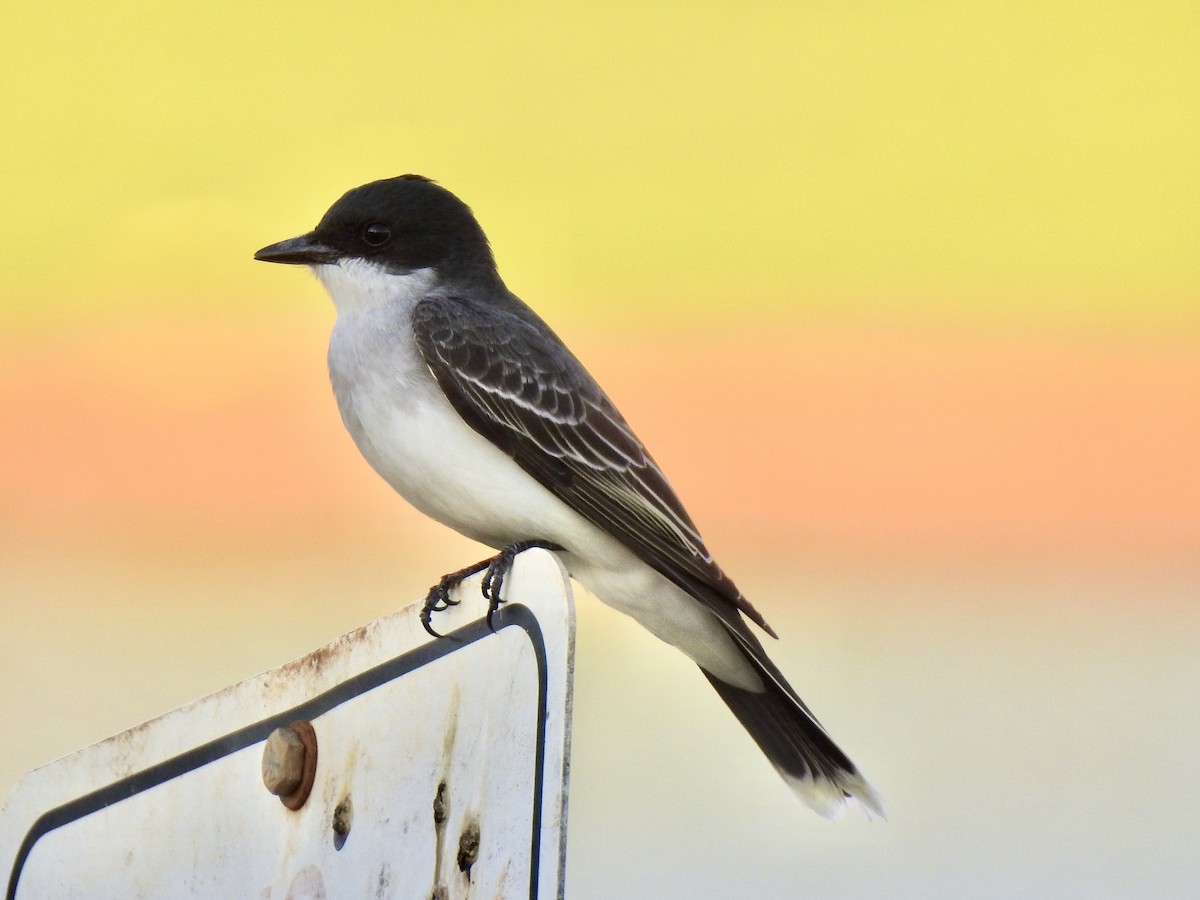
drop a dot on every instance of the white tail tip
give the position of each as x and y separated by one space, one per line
830 799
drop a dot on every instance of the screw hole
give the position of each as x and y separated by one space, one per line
439 805
468 848
341 822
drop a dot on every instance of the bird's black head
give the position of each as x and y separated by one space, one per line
401 224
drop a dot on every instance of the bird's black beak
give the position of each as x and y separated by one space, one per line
299 251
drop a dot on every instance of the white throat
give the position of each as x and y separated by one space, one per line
355 284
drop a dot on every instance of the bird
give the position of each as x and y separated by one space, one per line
470 406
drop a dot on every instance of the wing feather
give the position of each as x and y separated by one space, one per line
514 382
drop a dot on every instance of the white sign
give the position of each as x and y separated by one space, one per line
440 772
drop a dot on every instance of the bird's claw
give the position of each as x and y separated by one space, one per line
498 569
438 599
493 581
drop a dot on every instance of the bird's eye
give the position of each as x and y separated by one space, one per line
376 234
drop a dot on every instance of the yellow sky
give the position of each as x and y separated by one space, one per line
1030 162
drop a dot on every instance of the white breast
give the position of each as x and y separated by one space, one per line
408 431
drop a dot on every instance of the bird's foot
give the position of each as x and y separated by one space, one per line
438 599
498 569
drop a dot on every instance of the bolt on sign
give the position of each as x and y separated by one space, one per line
386 764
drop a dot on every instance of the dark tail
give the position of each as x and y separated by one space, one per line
796 744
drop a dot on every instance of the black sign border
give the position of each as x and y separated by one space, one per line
513 614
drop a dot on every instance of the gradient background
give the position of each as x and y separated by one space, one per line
917 292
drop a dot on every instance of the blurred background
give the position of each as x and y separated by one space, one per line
904 298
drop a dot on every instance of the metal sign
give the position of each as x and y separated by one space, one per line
420 768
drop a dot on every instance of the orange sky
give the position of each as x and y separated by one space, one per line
855 438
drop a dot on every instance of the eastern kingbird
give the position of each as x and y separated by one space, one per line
466 402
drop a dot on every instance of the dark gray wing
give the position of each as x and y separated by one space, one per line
514 382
